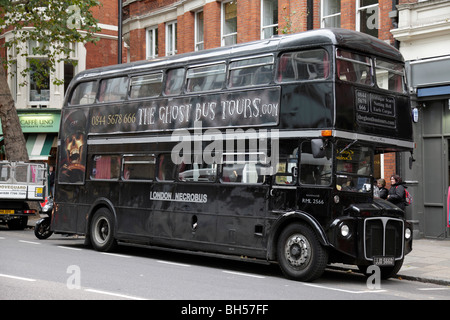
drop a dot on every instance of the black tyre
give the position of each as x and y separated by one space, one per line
102 231
300 255
42 229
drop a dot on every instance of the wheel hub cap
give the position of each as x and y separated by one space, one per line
297 250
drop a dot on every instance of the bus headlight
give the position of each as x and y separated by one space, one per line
408 233
345 230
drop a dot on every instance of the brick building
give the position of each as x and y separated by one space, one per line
158 28
39 109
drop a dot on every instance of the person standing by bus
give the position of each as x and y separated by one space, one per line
383 192
397 193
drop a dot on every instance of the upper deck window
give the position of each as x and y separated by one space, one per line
303 65
146 86
84 93
390 75
206 78
174 81
114 89
250 72
353 67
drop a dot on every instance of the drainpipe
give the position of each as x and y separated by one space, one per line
119 36
394 17
310 14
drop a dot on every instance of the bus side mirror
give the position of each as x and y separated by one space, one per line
318 148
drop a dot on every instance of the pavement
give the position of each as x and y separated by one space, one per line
429 261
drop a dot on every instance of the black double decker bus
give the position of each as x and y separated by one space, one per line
262 150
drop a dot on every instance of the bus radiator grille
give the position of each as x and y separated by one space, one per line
383 237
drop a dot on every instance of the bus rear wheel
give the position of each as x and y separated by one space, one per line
102 231
300 255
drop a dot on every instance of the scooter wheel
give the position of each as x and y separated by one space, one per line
42 229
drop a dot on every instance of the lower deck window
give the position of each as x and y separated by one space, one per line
105 167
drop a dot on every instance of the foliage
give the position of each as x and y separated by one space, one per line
44 31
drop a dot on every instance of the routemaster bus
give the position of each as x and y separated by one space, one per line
262 150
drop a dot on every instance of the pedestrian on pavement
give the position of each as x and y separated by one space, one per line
381 183
51 180
397 193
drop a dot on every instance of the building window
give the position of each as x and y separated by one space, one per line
367 17
70 65
39 81
331 14
199 45
229 23
269 18
171 38
152 43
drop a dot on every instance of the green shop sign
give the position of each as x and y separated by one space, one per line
39 122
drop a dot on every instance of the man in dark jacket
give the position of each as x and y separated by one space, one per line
397 193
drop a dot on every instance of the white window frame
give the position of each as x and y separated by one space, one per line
40 102
151 42
264 27
223 36
199 31
323 16
359 9
171 41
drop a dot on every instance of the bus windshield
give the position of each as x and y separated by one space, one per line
354 168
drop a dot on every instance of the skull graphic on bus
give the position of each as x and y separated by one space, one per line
73 148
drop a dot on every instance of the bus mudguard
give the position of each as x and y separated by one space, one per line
289 217
100 203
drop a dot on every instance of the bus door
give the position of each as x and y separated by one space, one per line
241 200
283 193
315 176
194 215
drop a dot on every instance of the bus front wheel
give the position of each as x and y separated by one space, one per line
300 255
102 231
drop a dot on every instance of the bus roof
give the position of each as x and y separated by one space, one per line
340 37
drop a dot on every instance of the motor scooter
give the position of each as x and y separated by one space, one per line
42 228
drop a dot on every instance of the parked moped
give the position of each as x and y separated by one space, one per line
42 228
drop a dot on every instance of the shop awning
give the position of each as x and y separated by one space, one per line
40 144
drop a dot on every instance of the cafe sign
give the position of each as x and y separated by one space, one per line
39 122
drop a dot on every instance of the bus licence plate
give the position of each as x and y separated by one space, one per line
383 261
6 211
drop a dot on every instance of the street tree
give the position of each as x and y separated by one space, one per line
43 28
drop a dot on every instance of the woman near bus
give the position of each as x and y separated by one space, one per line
397 193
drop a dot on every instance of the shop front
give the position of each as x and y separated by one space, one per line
429 179
40 128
